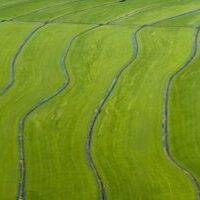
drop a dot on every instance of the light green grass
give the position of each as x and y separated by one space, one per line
21 8
184 107
184 117
62 124
100 15
5 3
60 10
38 74
191 20
167 10
127 143
12 35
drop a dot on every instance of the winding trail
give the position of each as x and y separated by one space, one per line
102 195
165 131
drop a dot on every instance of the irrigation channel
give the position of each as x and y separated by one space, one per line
14 3
112 87
102 192
22 167
101 186
35 30
30 35
165 131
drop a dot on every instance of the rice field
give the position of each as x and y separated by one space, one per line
99 100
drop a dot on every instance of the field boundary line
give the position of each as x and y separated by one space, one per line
165 118
22 167
86 9
44 8
19 50
10 5
154 24
14 18
101 104
21 186
109 93
141 10
96 23
176 16
15 59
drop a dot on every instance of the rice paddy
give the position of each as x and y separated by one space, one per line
99 100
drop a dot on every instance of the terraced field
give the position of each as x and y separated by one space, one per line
99 100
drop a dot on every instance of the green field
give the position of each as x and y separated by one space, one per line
99 100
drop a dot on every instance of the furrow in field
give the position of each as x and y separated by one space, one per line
165 131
